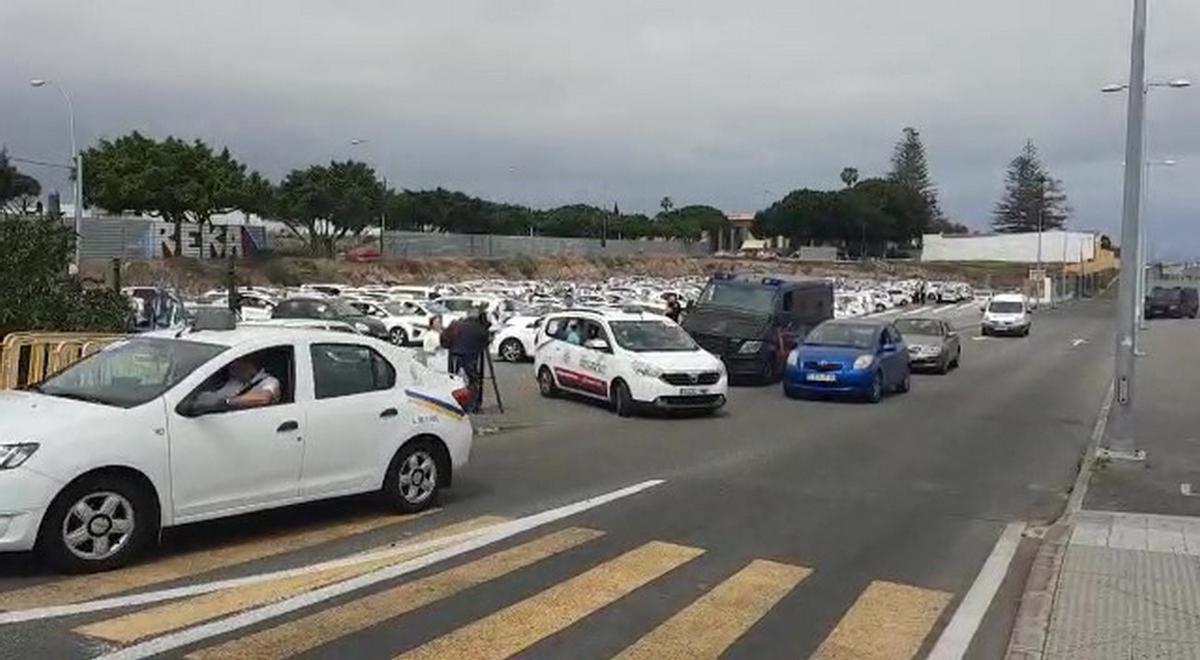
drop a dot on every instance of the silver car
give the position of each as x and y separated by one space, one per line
932 344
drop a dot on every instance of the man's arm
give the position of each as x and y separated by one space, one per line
264 394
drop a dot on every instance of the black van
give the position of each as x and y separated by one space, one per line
1172 302
752 322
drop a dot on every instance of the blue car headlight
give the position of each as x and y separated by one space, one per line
794 358
864 362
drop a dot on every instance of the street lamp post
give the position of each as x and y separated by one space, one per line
77 162
354 142
1121 440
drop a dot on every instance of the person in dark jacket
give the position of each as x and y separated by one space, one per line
468 342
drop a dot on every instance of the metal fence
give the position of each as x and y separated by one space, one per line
419 244
137 238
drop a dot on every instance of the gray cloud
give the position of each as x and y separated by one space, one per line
623 101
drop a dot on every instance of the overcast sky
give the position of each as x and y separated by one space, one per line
545 102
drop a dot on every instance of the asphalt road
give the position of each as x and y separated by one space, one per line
780 529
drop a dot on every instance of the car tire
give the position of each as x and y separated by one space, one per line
398 336
943 366
957 359
110 503
770 371
905 384
622 400
512 350
414 478
875 394
546 385
1025 333
796 394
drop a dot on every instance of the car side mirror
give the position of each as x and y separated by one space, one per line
596 344
889 348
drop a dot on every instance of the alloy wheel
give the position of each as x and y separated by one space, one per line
98 526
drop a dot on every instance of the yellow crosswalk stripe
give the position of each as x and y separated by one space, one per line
889 621
173 616
523 624
188 564
711 624
296 637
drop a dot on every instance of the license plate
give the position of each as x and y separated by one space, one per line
822 378
692 391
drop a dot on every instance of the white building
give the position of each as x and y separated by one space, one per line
1057 247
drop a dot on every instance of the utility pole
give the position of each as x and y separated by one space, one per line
1121 440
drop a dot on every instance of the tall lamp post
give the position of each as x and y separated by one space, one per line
355 142
77 162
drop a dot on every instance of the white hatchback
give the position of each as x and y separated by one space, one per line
630 359
95 460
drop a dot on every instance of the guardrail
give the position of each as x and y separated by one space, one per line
28 357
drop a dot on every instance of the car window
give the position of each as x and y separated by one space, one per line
595 330
787 301
348 369
277 362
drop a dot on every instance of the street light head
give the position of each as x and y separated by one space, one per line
1169 162
357 141
37 82
1109 89
1179 83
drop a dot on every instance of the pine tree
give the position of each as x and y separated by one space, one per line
910 168
1032 198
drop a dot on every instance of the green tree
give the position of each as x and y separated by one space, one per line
904 213
666 204
1032 198
36 293
173 179
690 223
324 203
18 191
910 168
849 176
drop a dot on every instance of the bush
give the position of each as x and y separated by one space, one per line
36 293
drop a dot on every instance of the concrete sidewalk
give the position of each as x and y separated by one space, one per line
1120 577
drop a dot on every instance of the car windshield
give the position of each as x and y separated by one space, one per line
1006 307
651 336
919 327
343 308
753 299
842 334
129 373
458 304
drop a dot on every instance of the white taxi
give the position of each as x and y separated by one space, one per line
96 460
630 359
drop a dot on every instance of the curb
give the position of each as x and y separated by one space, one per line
1032 626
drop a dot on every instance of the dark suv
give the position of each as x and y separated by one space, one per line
329 309
1172 302
752 322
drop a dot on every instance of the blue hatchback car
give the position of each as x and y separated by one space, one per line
859 358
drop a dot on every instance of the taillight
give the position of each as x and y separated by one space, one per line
462 396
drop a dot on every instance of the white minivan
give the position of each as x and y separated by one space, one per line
1006 314
631 360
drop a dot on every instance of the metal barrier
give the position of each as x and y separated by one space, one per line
28 357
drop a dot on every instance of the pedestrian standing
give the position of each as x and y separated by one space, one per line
469 342
432 353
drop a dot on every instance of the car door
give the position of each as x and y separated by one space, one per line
892 355
593 368
354 409
238 460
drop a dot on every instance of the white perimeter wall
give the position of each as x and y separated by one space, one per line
1018 248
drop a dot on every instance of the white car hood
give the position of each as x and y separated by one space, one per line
32 417
681 360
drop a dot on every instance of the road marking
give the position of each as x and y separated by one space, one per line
173 616
483 539
519 626
889 621
711 624
301 635
189 564
953 643
919 310
1077 342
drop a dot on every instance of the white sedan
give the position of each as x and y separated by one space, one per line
515 340
97 459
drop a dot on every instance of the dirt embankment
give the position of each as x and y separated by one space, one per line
193 276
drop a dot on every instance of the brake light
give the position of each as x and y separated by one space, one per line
462 395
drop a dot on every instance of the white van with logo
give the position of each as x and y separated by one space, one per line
630 359
1006 314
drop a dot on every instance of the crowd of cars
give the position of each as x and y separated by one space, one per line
140 436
